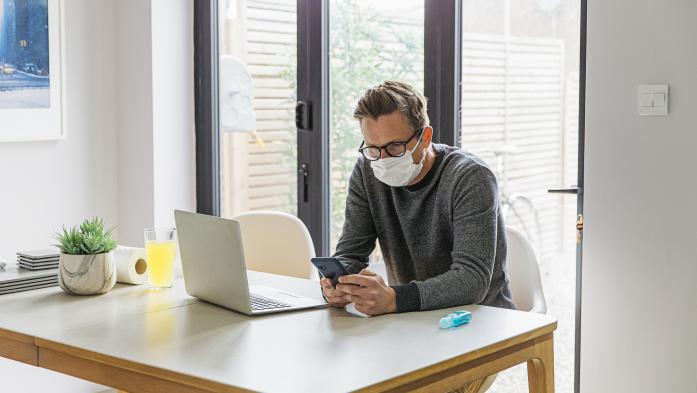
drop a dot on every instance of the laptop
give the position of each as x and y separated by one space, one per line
215 271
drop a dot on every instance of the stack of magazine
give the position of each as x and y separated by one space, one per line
16 279
38 259
34 270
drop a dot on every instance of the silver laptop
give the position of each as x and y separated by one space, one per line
214 268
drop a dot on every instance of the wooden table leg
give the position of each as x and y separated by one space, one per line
541 368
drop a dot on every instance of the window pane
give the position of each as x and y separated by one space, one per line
520 67
370 42
258 135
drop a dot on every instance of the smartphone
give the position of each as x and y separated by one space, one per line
330 268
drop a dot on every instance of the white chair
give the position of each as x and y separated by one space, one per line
524 273
278 243
525 283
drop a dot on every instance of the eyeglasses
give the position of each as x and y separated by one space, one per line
393 149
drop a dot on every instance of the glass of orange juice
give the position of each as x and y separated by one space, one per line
160 249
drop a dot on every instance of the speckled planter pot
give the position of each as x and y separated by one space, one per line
86 274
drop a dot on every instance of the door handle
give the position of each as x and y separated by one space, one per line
570 190
303 171
303 115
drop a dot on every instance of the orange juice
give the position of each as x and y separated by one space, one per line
161 255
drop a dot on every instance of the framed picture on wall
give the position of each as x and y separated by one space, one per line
31 72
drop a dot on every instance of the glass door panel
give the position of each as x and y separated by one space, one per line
370 42
258 152
520 86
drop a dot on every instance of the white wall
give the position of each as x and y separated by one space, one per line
44 185
156 121
129 153
134 120
639 324
106 165
173 109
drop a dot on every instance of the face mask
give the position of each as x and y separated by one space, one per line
398 171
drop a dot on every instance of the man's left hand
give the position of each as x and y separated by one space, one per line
370 293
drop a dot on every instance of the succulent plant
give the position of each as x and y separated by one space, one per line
89 238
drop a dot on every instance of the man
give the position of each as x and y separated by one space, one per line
433 208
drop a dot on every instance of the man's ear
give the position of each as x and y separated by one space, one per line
428 136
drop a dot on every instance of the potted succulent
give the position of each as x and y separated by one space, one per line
86 265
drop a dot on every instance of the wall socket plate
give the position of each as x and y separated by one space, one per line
652 100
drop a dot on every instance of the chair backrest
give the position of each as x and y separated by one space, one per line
524 273
276 242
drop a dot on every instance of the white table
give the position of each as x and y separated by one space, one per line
139 340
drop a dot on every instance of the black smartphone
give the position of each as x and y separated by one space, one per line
330 268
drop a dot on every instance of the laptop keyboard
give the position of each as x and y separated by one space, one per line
260 303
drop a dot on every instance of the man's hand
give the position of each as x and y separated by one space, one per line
370 293
334 296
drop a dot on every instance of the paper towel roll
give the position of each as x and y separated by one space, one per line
131 265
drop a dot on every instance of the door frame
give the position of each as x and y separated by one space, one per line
207 122
580 184
443 68
314 138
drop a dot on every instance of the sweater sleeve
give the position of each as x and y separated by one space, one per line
358 236
474 216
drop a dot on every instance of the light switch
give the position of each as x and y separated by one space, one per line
653 100
645 100
659 100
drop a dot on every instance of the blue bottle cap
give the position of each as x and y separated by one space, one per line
445 322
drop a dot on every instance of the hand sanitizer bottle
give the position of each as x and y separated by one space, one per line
455 319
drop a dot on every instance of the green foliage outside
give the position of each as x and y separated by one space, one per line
89 238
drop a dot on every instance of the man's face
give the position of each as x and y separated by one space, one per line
393 127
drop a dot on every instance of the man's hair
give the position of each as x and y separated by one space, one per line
391 96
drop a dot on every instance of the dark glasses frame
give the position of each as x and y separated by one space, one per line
362 149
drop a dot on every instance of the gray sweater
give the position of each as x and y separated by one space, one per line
443 239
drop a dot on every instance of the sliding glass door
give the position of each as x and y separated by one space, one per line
277 82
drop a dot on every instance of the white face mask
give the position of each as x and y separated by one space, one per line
398 171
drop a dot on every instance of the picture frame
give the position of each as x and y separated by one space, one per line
32 96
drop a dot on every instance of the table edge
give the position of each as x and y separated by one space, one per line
141 368
212 385
203 383
444 365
